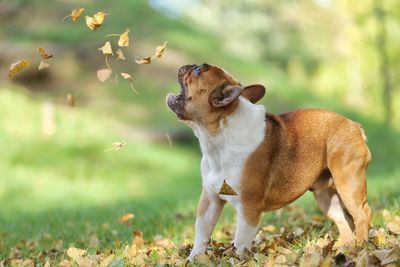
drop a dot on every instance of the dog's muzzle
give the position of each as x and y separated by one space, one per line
177 102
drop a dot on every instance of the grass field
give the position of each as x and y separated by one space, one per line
65 191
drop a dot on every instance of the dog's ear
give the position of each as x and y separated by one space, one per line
224 95
254 92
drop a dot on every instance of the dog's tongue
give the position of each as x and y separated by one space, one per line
182 71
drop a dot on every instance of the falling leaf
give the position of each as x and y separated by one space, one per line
160 50
71 100
43 53
75 14
116 146
106 49
146 60
43 65
226 190
103 74
96 21
126 217
124 39
126 76
17 67
120 55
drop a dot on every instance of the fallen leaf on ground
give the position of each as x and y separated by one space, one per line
75 14
386 256
124 39
17 67
106 49
126 217
43 53
77 255
96 21
392 222
120 55
71 100
226 190
116 146
43 65
103 74
160 50
146 60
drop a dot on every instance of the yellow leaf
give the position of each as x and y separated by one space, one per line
160 50
77 255
120 55
96 21
379 237
126 217
226 190
106 49
103 74
75 14
71 100
124 39
17 67
43 53
43 65
146 60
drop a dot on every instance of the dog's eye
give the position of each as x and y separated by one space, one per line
197 70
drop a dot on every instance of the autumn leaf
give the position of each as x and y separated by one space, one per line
77 255
96 21
17 67
116 146
71 100
43 53
124 39
160 50
146 60
106 49
226 190
386 256
103 74
43 65
120 55
126 217
75 14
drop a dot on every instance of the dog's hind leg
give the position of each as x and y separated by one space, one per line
348 166
332 206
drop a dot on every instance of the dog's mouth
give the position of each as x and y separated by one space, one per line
177 102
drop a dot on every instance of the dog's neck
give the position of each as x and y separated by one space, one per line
240 132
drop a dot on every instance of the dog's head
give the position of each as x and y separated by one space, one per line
207 90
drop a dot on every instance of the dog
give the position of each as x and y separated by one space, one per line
269 160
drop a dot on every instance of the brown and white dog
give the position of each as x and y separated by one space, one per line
270 160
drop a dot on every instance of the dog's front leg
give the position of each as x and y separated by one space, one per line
209 209
246 230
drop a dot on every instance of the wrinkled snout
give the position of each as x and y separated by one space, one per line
176 104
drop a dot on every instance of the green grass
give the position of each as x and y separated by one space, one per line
64 190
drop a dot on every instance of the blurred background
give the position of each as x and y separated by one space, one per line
57 185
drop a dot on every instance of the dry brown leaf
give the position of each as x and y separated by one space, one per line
310 260
71 100
43 65
120 55
77 255
106 49
96 21
103 74
124 39
75 14
126 217
392 222
226 190
17 67
43 53
160 50
146 60
126 76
